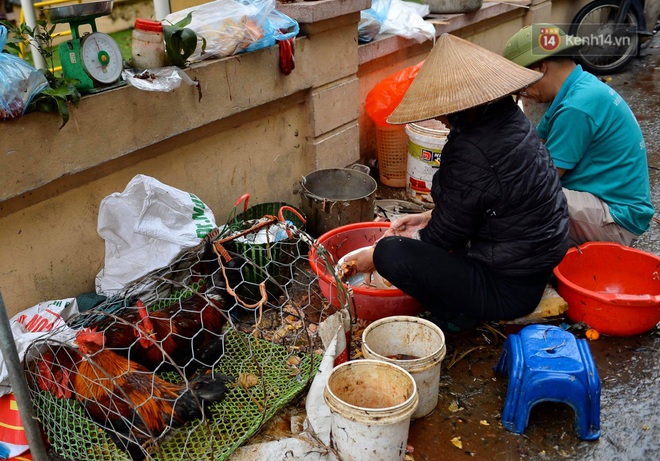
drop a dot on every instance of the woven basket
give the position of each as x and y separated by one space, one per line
270 261
392 147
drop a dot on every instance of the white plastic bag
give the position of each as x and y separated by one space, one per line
164 79
145 227
406 19
31 324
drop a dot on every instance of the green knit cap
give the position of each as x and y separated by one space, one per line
539 41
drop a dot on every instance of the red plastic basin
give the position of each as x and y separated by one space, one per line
371 304
610 287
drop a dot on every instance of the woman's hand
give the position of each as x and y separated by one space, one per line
406 225
362 262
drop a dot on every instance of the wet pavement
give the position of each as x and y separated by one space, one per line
467 421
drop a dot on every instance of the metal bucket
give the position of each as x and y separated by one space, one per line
336 197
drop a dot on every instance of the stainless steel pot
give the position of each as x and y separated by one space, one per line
453 6
335 197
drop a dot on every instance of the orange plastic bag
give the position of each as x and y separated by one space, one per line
388 93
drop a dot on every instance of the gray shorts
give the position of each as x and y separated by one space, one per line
591 221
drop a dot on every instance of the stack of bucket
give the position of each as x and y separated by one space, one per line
372 401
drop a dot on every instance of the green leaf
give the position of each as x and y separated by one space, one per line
189 42
185 21
64 112
180 42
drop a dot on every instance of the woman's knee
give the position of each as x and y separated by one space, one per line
391 249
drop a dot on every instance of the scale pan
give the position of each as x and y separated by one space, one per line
79 12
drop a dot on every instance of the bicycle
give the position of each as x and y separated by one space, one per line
611 33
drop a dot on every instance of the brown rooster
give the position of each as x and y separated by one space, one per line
125 329
186 334
132 403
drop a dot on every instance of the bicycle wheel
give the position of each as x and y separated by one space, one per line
607 46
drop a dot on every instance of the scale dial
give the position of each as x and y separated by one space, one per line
101 57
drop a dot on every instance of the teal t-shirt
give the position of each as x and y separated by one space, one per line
591 133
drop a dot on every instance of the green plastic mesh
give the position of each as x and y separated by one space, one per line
270 347
71 432
233 421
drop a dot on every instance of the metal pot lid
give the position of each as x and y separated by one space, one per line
393 209
79 12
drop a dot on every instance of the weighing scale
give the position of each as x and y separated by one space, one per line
94 59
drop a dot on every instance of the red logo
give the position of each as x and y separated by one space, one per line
427 155
549 38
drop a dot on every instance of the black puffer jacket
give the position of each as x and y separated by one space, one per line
498 194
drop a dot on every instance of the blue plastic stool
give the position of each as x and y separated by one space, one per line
546 363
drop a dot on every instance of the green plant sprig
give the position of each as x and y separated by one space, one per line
61 92
180 41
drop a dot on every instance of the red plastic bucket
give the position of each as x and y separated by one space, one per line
370 303
610 287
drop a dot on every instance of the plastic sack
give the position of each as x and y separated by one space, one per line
163 79
406 19
388 93
145 227
372 19
236 26
19 83
31 324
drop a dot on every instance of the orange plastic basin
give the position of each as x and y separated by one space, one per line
610 287
370 303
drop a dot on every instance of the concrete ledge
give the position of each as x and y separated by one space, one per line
307 11
384 45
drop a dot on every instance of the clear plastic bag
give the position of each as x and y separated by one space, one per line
19 82
236 26
372 19
164 79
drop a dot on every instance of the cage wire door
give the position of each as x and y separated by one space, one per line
189 361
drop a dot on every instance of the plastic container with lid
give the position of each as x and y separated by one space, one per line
148 44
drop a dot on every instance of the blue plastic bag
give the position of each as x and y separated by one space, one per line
236 26
277 26
372 19
19 82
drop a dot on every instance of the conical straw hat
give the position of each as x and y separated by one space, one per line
456 76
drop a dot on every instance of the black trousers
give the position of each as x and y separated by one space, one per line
452 285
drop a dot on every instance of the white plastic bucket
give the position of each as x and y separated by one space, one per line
414 344
425 143
371 403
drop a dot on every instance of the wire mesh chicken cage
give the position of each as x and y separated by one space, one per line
189 361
